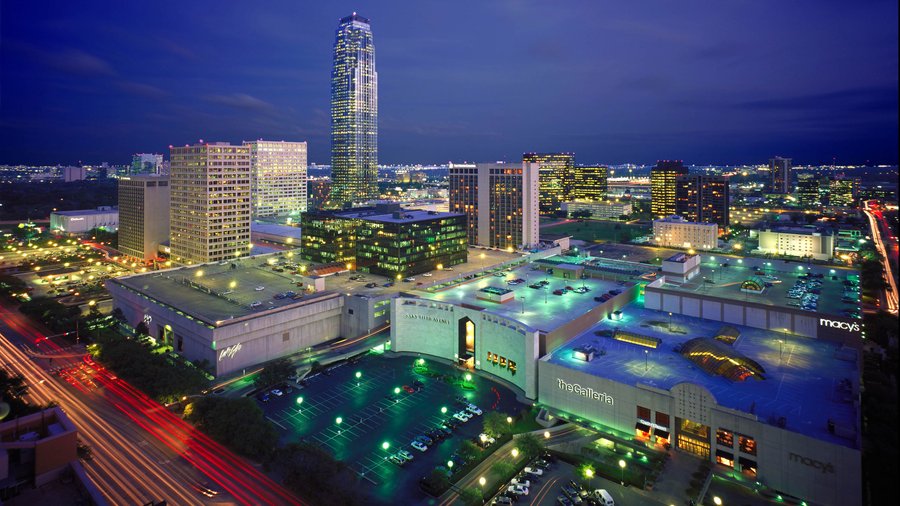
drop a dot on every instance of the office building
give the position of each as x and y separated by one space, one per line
555 178
317 191
589 184
809 191
209 214
597 209
83 221
500 201
71 174
278 179
662 186
843 192
143 215
354 114
801 242
779 175
328 237
702 199
146 163
409 242
463 196
677 232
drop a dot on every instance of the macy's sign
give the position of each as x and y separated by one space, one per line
848 326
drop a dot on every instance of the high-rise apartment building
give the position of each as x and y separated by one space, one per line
703 199
354 114
589 184
555 178
146 163
278 178
143 215
210 202
662 186
779 175
500 199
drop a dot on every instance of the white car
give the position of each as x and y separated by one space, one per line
409 280
534 471
426 274
260 288
255 304
520 483
461 416
405 455
418 446
276 392
471 408
517 489
486 439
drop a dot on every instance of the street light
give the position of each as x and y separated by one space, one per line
717 500
622 466
515 452
339 421
468 377
299 403
546 434
509 419
482 481
385 445
443 410
450 465
358 375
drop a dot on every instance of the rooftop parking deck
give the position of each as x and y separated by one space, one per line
805 380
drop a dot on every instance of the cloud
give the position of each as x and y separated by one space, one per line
141 89
76 61
242 101
870 99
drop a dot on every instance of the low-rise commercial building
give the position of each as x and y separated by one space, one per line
598 209
676 232
802 242
83 221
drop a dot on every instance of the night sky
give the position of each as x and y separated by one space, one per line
706 82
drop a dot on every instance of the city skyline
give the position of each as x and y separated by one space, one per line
659 88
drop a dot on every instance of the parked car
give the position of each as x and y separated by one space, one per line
425 440
371 285
534 471
471 408
408 389
418 446
520 482
397 460
260 288
277 393
517 489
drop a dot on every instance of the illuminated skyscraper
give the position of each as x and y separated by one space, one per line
662 186
278 180
143 215
588 184
209 219
702 199
779 175
354 114
146 163
555 177
843 192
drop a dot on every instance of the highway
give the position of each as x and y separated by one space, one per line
142 452
890 295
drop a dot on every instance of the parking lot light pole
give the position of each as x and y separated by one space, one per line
358 375
589 474
443 410
384 446
482 481
299 403
338 421
622 466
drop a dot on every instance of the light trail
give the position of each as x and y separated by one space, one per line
889 295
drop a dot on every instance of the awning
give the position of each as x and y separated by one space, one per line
641 426
662 433
725 455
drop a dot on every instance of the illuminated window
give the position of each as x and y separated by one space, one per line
747 445
724 438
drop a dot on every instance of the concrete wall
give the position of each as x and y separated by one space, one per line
362 314
805 467
432 328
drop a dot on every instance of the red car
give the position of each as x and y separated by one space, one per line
409 389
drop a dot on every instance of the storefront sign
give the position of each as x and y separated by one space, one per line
230 351
825 467
588 392
427 318
835 324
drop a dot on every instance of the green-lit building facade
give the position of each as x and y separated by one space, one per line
406 243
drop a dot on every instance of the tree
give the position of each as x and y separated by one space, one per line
529 444
274 372
582 214
316 476
141 328
468 450
11 284
504 470
495 424
471 496
237 423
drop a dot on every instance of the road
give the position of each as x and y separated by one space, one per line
142 452
875 217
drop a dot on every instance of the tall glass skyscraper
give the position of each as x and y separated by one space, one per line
354 114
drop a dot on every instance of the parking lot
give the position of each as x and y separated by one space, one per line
355 409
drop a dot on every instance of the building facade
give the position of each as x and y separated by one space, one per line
555 175
676 232
209 216
82 222
328 237
317 191
662 186
779 175
143 215
703 199
410 242
843 192
797 242
598 209
809 191
278 178
589 183
354 114
146 163
500 201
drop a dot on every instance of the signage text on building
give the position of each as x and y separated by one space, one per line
825 467
588 392
230 351
835 324
427 318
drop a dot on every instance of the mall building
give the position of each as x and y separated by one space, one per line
767 392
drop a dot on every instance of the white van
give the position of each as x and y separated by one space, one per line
603 497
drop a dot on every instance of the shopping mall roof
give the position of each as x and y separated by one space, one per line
799 382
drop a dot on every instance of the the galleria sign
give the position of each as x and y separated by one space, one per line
835 324
230 351
825 467
588 392
427 318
